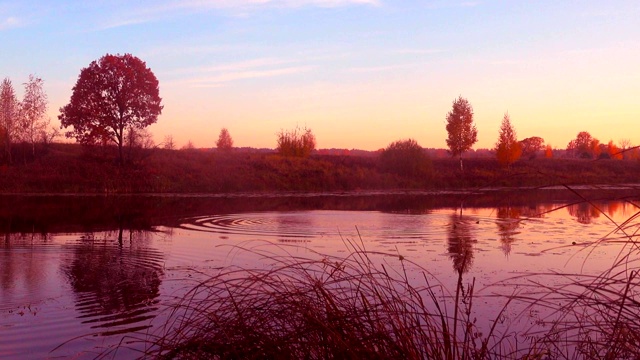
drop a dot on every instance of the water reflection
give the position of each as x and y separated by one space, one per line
460 242
116 282
508 223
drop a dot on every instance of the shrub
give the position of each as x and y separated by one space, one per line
406 158
297 142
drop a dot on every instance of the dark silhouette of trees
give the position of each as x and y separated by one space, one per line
225 142
508 148
9 116
296 143
405 157
462 131
112 95
584 146
531 146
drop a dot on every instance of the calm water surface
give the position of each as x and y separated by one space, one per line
79 274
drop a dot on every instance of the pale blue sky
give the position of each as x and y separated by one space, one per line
360 73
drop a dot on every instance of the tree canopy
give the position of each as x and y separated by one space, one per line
584 146
112 95
460 127
531 146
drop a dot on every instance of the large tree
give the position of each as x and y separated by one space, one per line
508 149
462 131
9 116
113 94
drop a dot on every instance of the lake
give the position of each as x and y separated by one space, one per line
79 274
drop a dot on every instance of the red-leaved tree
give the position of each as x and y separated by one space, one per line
113 95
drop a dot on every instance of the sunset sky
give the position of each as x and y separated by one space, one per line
359 73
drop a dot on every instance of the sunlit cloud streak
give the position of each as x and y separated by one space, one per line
158 10
232 67
223 78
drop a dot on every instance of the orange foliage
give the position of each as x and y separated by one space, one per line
548 152
613 151
508 149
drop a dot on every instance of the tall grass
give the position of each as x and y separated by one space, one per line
369 305
360 306
589 316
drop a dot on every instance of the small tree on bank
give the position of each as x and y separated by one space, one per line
225 142
461 129
508 149
112 95
296 143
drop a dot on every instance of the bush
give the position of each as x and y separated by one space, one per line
406 158
297 142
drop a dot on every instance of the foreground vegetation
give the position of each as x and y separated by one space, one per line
70 168
366 306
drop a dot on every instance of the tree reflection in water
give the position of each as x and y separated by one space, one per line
508 223
116 282
460 242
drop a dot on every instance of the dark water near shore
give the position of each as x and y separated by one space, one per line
80 273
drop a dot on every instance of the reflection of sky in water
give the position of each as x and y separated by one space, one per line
500 242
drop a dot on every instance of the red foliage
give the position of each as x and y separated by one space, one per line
112 95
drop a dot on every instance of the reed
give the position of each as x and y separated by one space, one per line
360 306
366 305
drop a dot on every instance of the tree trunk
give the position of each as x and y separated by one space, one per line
461 169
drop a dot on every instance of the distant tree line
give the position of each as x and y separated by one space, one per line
117 97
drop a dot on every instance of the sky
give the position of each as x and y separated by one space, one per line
359 73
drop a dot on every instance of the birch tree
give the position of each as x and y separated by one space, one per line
9 116
34 107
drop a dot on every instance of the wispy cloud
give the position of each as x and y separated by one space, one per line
236 66
10 22
420 51
220 74
370 69
162 9
222 79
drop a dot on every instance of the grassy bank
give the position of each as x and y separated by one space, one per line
68 168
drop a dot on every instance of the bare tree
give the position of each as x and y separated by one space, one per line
462 131
33 110
168 143
225 142
9 116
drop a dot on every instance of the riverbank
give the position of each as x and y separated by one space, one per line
67 168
